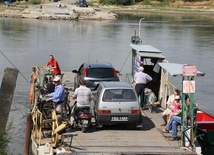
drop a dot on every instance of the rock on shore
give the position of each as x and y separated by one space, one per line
53 12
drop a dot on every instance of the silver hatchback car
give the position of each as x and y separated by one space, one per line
116 102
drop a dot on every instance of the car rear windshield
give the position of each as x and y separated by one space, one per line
100 72
124 95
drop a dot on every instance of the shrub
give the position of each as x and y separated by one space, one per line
5 139
34 2
147 2
117 2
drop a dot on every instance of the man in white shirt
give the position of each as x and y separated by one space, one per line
83 96
141 79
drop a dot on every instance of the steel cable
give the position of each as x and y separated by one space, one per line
14 66
21 75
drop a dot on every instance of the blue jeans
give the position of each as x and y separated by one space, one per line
173 125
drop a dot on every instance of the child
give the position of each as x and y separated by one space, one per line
177 107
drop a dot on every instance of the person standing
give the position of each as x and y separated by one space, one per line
54 65
141 79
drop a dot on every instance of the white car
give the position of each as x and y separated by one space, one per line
116 102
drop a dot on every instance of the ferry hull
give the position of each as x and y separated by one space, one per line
204 121
205 132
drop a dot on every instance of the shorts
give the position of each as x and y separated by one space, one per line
166 112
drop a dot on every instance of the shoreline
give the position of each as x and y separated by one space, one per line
51 11
186 10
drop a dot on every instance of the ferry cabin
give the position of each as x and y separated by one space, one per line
149 57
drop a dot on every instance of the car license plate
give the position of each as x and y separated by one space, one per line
119 118
85 122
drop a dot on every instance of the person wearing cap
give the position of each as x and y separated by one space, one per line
141 79
176 107
54 65
170 106
176 120
58 95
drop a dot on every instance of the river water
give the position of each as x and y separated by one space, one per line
25 43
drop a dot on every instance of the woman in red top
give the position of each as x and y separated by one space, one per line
54 65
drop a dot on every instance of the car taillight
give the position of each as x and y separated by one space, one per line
135 111
85 71
84 115
104 111
114 71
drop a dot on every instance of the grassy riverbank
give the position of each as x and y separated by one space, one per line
178 7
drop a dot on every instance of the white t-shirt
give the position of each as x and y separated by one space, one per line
171 99
83 95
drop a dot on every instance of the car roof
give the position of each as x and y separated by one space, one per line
98 65
116 84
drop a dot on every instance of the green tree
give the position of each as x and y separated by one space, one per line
5 139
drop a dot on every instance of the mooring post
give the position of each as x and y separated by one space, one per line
28 133
6 95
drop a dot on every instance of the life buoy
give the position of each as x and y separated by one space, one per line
33 77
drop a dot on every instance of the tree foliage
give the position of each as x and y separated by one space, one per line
34 1
118 2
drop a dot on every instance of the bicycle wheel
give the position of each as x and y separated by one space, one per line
66 111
